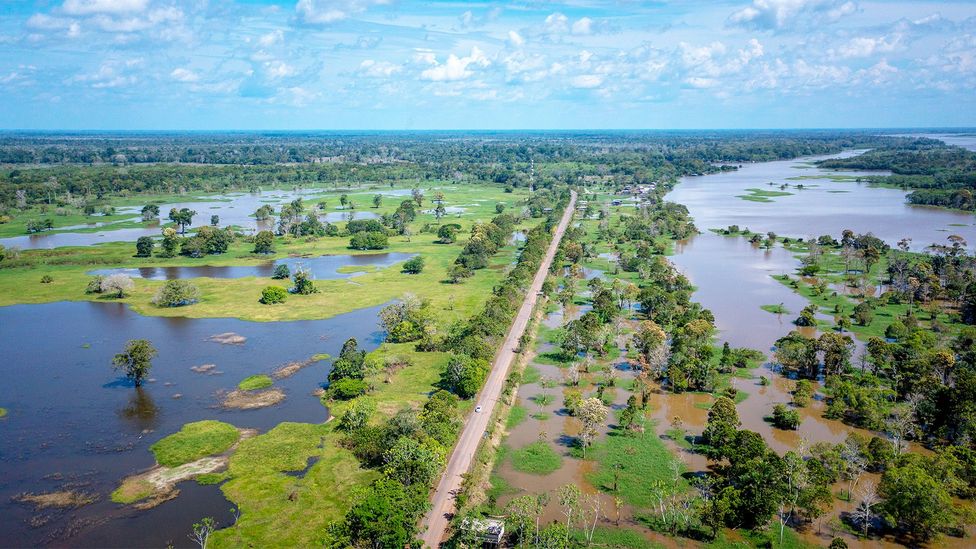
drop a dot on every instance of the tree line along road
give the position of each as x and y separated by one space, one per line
460 460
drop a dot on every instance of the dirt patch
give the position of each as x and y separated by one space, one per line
66 499
291 368
228 338
251 400
205 369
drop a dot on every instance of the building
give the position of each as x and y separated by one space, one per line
490 531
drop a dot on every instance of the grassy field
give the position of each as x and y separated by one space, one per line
238 298
537 458
637 463
255 382
762 195
194 441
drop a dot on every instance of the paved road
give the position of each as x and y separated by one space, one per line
460 459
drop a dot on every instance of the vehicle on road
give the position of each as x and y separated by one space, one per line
477 409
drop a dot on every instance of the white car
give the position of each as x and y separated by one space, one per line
477 409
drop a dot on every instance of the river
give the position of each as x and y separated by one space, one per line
73 423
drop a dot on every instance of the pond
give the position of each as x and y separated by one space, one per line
74 423
324 267
235 209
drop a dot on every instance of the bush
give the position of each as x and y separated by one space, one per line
347 388
303 284
117 284
373 240
281 272
414 266
785 418
273 294
47 279
176 293
95 285
144 246
364 226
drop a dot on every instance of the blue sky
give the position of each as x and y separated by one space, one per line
462 64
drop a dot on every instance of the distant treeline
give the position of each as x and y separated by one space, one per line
939 174
59 169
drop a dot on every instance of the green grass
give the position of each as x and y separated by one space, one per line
643 460
3 412
516 415
543 400
775 309
194 441
531 375
540 416
762 195
255 382
281 510
615 538
537 458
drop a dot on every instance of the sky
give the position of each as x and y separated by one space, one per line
465 64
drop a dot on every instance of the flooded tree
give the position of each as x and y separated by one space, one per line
135 360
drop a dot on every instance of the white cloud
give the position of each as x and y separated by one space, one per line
110 75
583 26
184 75
278 69
780 14
455 68
587 81
272 38
324 12
515 39
378 69
865 47
295 96
555 23
114 7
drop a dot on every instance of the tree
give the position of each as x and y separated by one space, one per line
273 294
464 375
447 234
418 197
281 272
377 200
264 242
117 284
412 462
343 200
592 414
144 246
458 273
914 501
303 283
386 514
864 512
215 220
414 265
785 418
176 293
170 242
372 240
135 360
350 364
720 431
150 212
182 217
202 530
499 207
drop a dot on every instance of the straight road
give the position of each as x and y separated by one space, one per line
474 429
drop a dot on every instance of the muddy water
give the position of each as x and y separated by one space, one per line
323 267
233 209
73 422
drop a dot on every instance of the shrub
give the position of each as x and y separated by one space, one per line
303 284
281 272
347 388
414 265
273 294
95 285
176 293
144 246
373 240
785 418
803 393
364 226
117 284
47 279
